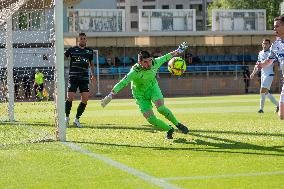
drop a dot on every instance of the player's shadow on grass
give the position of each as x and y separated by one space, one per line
221 144
210 147
230 146
239 133
112 126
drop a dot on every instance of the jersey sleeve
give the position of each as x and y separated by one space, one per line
67 53
162 59
272 53
125 81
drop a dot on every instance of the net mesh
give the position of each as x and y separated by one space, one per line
33 52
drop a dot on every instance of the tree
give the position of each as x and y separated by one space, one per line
272 8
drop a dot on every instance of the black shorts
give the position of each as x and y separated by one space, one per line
73 85
39 87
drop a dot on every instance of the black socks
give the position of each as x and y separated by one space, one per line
68 106
80 109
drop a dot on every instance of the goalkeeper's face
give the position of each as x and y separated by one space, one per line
146 63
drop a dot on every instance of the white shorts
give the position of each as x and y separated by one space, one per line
266 81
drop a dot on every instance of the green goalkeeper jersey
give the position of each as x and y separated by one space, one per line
141 79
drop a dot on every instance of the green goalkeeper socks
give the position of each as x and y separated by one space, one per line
168 114
153 120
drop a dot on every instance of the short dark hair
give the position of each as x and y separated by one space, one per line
280 18
143 55
266 39
82 34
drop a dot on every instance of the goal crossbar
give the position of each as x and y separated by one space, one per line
7 12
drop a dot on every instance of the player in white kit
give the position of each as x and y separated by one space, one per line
277 54
267 75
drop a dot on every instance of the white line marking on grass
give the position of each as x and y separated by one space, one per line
156 181
226 176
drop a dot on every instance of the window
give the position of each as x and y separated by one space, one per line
134 24
133 9
148 0
121 7
199 25
149 7
198 8
165 6
179 6
23 21
29 20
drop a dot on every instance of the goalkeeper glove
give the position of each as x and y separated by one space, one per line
107 99
182 47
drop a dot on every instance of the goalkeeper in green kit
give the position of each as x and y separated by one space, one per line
145 90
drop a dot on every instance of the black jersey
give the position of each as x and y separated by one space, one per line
79 62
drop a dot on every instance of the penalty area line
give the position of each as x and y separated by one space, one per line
148 178
226 176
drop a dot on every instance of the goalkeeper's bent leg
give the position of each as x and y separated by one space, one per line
80 109
68 106
153 120
168 114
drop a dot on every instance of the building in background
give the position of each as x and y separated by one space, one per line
96 20
162 20
239 20
132 7
76 12
282 7
32 25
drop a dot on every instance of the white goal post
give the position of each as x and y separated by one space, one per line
59 71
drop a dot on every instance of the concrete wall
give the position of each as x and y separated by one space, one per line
149 39
193 86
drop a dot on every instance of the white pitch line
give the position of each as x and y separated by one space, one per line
156 181
226 176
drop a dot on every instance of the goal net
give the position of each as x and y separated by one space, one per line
32 89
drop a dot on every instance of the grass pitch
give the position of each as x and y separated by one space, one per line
229 146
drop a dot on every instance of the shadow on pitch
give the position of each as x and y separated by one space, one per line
42 124
239 133
146 128
207 149
230 146
114 126
213 144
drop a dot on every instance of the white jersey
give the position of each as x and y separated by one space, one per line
277 53
268 70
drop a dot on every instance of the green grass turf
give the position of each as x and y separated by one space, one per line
227 138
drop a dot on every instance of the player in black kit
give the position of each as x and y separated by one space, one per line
80 61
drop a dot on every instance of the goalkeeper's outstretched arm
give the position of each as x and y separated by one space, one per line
120 85
162 59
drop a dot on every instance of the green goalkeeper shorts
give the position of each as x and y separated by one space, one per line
145 100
